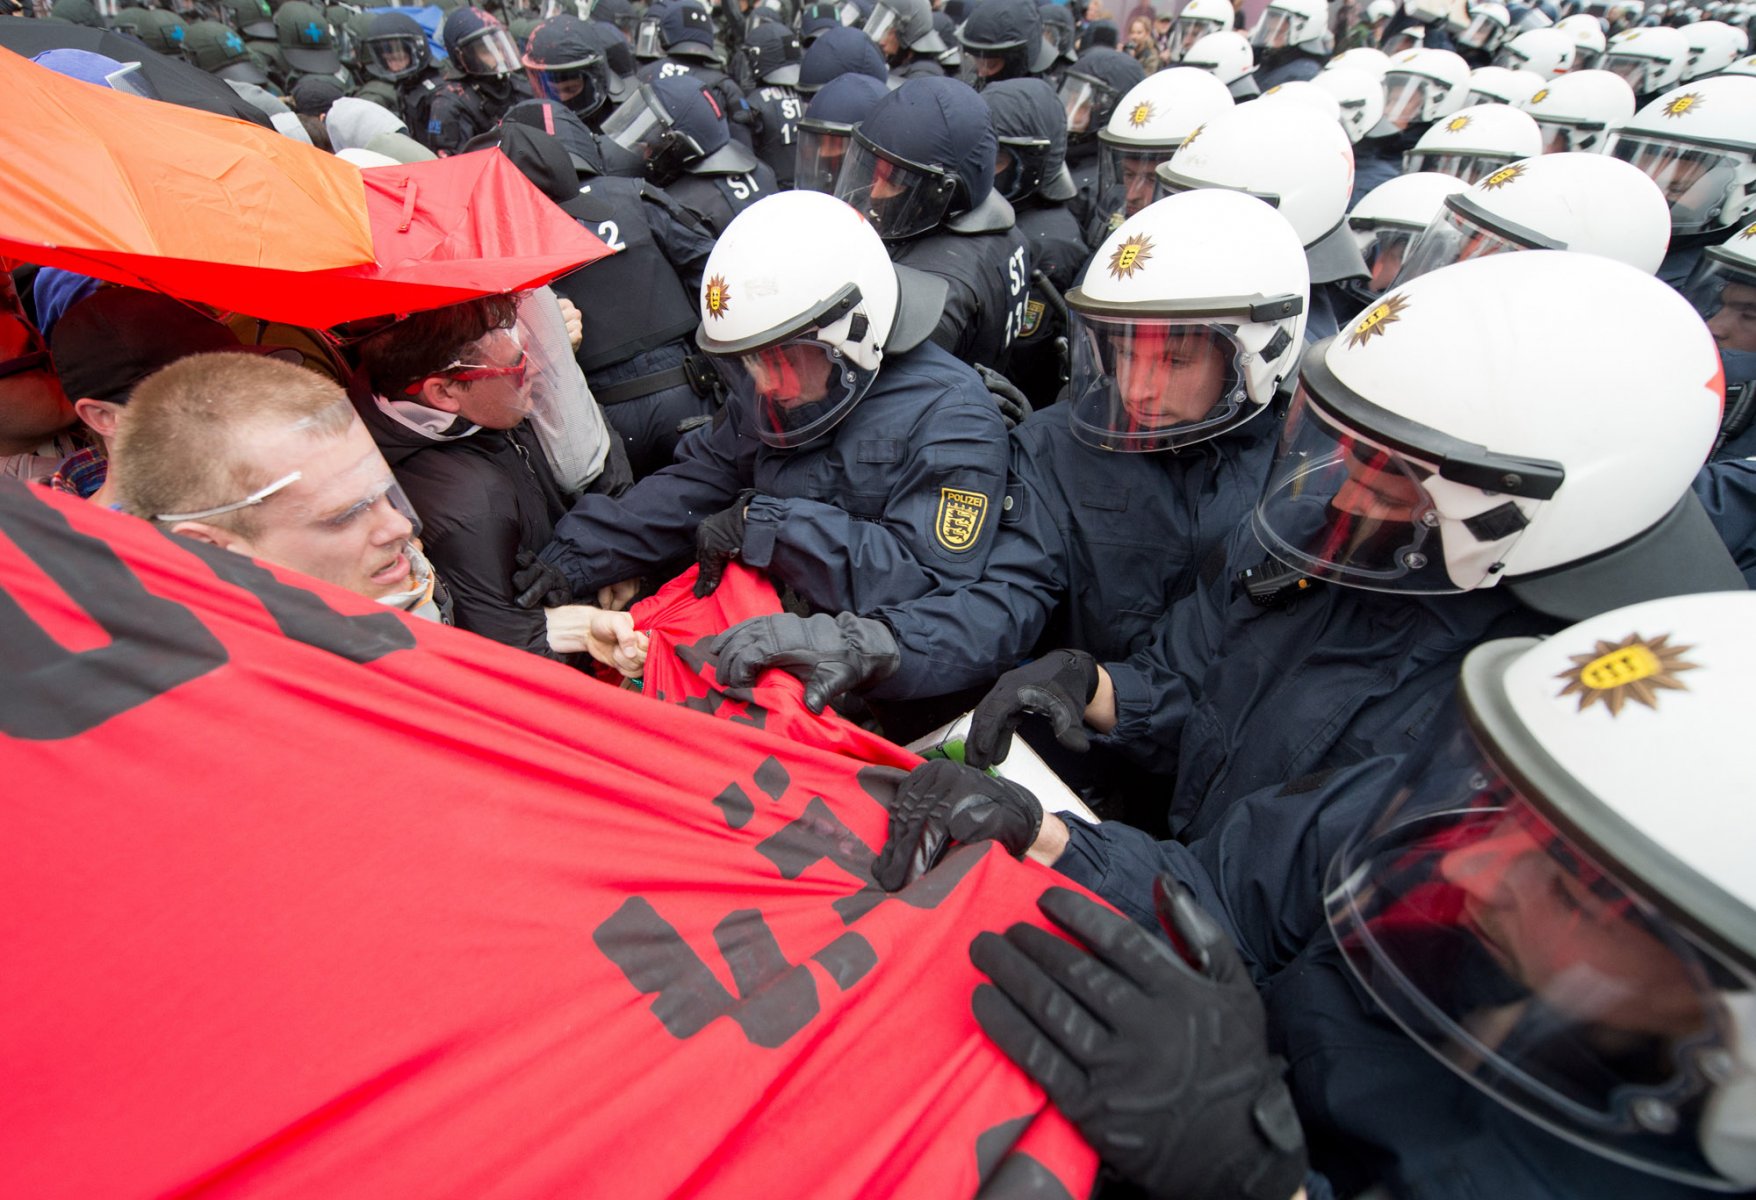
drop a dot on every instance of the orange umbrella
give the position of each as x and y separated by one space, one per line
163 197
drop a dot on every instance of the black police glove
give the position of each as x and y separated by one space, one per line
1058 686
832 654
718 540
1162 1063
538 584
1014 407
943 801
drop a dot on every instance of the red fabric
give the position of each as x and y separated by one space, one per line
300 897
676 620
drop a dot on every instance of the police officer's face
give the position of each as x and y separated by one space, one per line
1375 491
1734 325
1138 178
789 376
1169 376
396 57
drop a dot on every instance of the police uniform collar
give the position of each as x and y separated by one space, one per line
920 301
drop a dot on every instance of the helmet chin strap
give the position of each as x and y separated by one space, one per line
852 335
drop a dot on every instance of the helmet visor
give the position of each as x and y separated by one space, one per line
798 389
1406 98
1560 137
647 41
490 52
1513 957
1696 180
1385 253
397 56
1341 507
1636 69
1153 383
1482 33
1086 103
1471 168
1127 181
899 198
643 127
1018 166
1277 28
1724 293
818 155
982 67
582 87
1185 32
1451 237
884 28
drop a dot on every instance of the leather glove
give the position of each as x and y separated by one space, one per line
1014 407
943 801
1162 1063
539 584
832 654
718 540
1058 686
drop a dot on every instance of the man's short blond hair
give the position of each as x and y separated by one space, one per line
189 437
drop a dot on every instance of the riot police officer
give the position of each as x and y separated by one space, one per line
486 79
396 55
768 70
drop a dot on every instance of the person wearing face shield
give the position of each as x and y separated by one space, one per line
398 63
857 463
682 34
1411 514
1003 39
562 63
1420 87
1146 128
921 170
1516 961
680 134
1723 291
1185 329
1386 222
827 129
1291 41
485 78
1090 90
767 68
903 32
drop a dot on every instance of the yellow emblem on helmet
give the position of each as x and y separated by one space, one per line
1635 668
1375 322
1686 103
1141 115
1749 232
1193 134
1130 256
1457 124
1503 176
718 297
1542 94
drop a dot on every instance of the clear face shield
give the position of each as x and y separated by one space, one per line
490 52
798 389
647 42
1385 250
1585 58
396 57
643 127
1277 28
1561 137
819 151
1455 235
982 67
1142 384
899 198
1482 33
1696 180
1471 168
885 30
1088 105
1018 166
1724 294
1126 179
1406 98
1501 946
582 87
1185 32
1635 69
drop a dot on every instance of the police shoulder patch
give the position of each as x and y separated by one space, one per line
961 516
1033 318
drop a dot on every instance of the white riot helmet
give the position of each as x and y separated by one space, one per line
1502 85
1380 10
1293 23
1475 142
1288 156
1713 46
1487 27
1698 144
1586 203
1226 56
1189 318
1303 92
1405 40
1440 444
1197 19
1427 11
1723 290
1548 52
1420 87
1588 37
1576 111
1367 58
1558 903
1649 59
1358 94
1743 66
1146 128
799 337
1391 216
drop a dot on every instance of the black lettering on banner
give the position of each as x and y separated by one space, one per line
735 805
155 644
697 657
302 614
1008 1175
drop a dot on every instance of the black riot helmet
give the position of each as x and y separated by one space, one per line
1003 39
562 62
395 47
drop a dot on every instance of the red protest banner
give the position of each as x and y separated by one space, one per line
300 897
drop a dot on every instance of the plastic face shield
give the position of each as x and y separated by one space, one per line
1152 383
818 155
1385 253
1502 947
580 86
1277 28
1342 507
798 389
1087 105
1560 137
1482 33
1127 181
490 52
1471 168
643 127
899 198
884 28
1635 69
1018 166
1696 180
1406 98
647 42
1185 32
982 67
397 56
1453 236
1724 293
